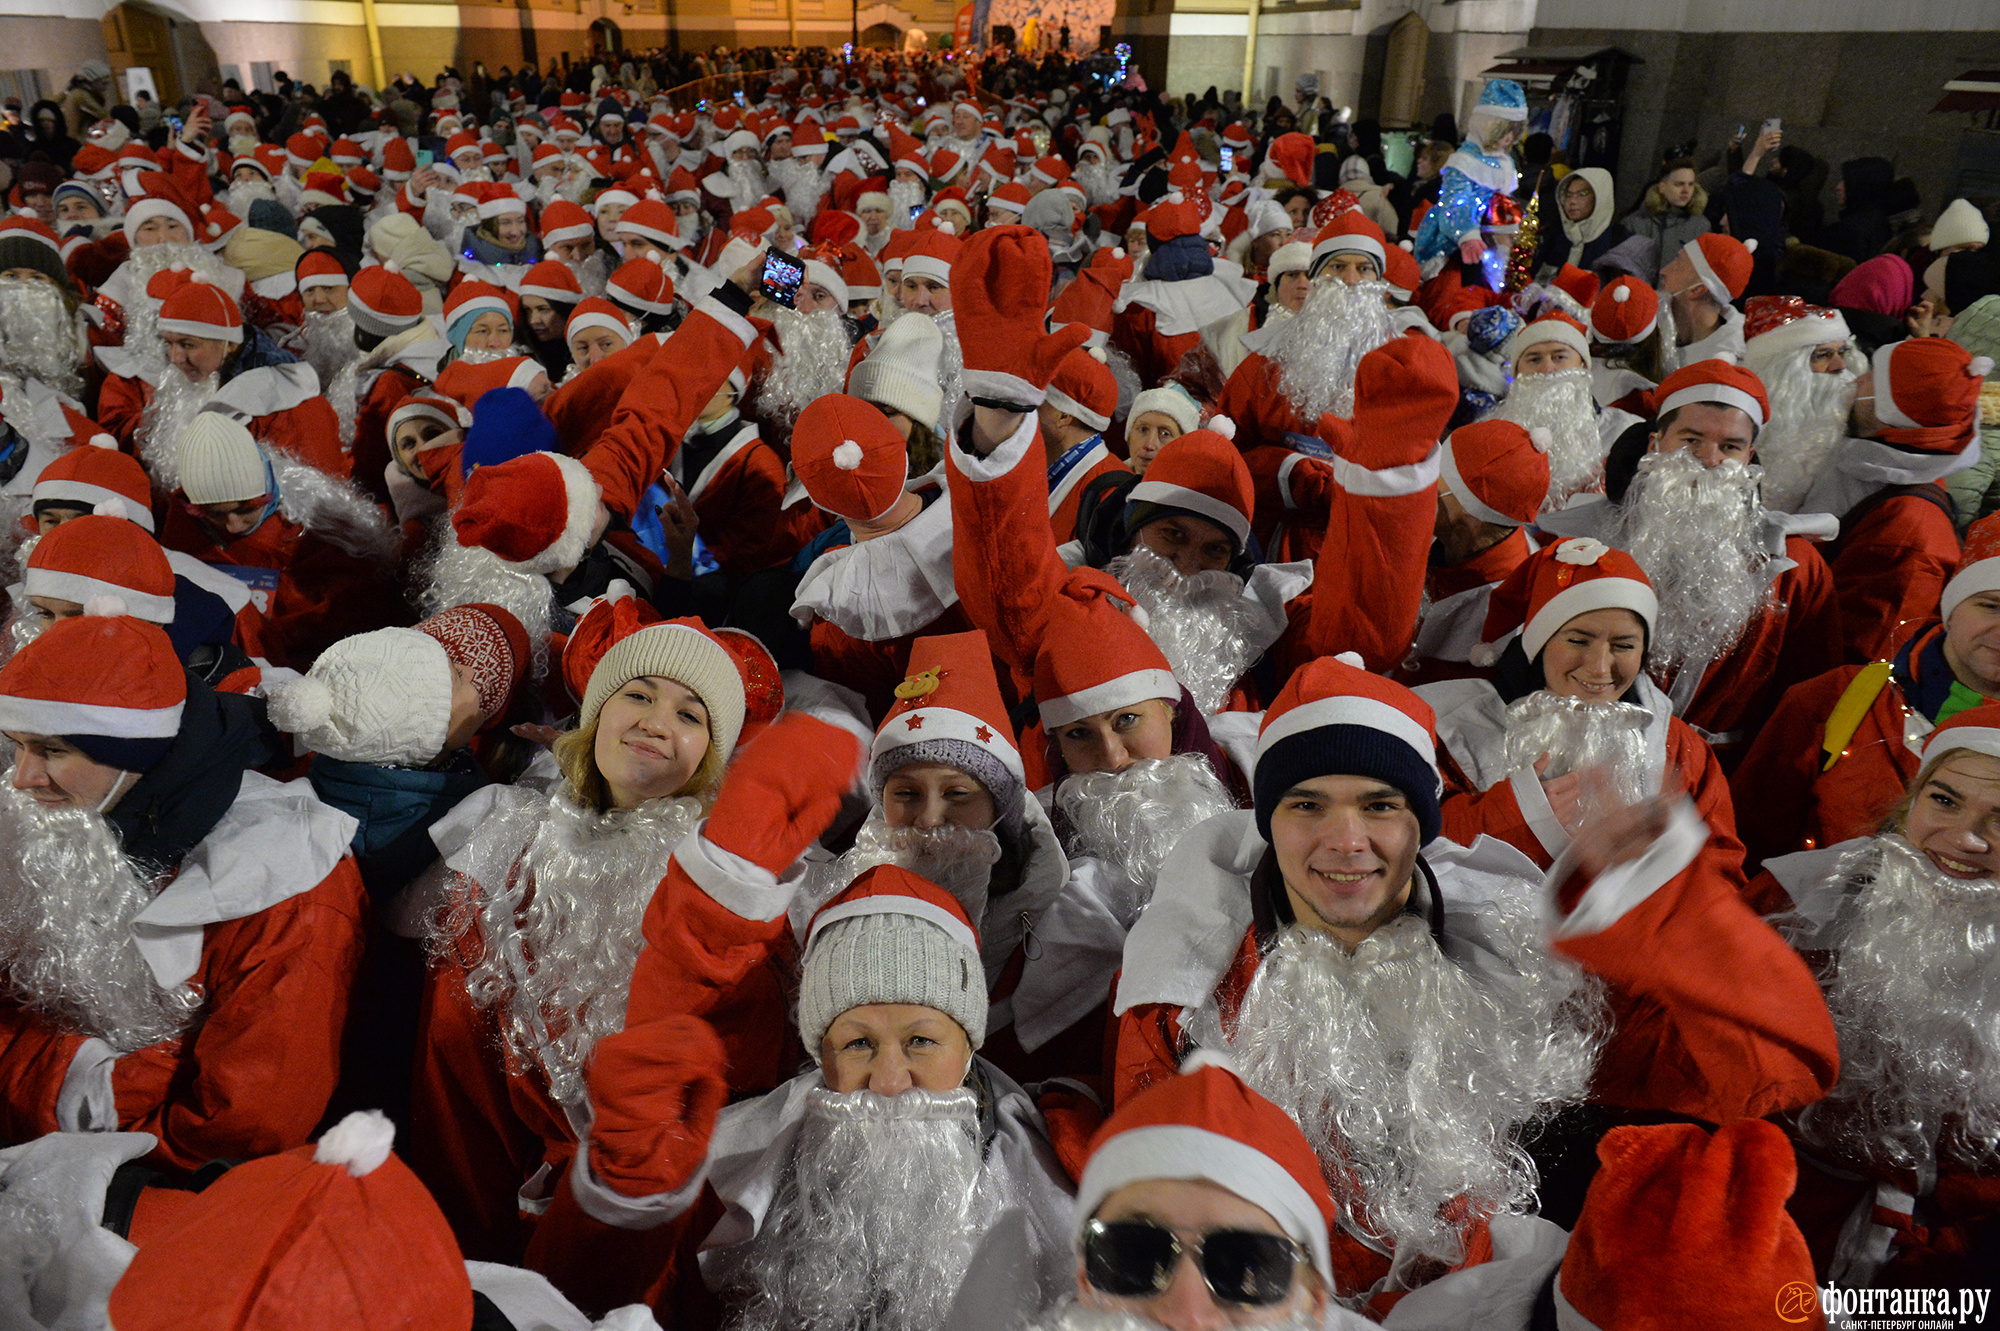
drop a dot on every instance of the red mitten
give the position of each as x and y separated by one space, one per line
1000 302
1404 393
783 790
655 1090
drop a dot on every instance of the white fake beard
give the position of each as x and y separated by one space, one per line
1914 989
176 401
1202 624
813 364
238 198
903 196
802 185
591 275
39 336
1561 403
68 896
1126 376
958 859
487 355
687 226
1099 181
332 509
1318 353
142 312
951 368
1808 419
875 1221
748 178
1072 1316
328 338
1132 819
561 932
450 574
1575 734
1698 533
1412 1075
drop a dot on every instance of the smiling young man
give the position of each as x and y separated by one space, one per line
1896 1168
1395 993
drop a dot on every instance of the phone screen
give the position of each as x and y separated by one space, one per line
174 126
915 209
424 158
782 275
1228 160
1772 124
739 97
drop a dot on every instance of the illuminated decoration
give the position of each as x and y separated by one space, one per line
1527 239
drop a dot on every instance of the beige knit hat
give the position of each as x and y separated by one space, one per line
220 463
1959 224
901 374
679 651
891 937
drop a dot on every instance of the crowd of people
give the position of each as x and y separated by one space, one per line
953 694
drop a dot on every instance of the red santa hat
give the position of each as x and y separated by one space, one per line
563 220
859 272
497 200
682 187
30 228
616 196
1201 472
808 140
468 382
1716 382
399 161
1498 471
218 224
302 150
1552 326
339 1236
1207 1125
104 555
1681 1228
1012 197
1927 393
642 286
1095 655
1556 584
1089 300
464 141
650 219
490 644
1978 565
1722 263
1084 388
1293 155
1779 324
906 152
196 307
92 478
1574 289
930 253
346 152
383 302
1334 718
850 459
103 678
1624 312
948 710
891 937
1171 218
1049 170
552 280
323 189
1406 388
432 406
535 512
93 162
1402 272
1350 233
319 268
597 312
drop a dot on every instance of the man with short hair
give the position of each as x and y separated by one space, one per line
1698 285
1400 1000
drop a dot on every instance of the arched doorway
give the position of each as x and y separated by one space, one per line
882 36
605 36
169 44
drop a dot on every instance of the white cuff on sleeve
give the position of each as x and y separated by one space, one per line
1002 459
737 884
621 1212
1623 887
86 1102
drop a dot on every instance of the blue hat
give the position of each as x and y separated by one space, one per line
1503 98
506 423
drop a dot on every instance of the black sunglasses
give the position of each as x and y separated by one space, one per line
1136 1259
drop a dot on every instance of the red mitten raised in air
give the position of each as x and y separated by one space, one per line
1000 302
1404 393
655 1090
783 790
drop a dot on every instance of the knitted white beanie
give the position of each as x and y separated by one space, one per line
1171 402
220 462
889 957
381 698
678 652
1959 224
901 374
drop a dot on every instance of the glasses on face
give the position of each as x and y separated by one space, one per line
1134 1259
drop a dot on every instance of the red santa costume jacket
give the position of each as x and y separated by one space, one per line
266 915
1714 1016
311 592
281 405
1836 754
1156 323
1863 1226
1483 796
739 496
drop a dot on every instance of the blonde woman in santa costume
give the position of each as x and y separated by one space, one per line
1898 1171
533 915
1566 638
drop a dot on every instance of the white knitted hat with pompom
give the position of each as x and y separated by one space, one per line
381 698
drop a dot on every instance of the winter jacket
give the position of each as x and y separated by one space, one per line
393 808
1863 228
1670 228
